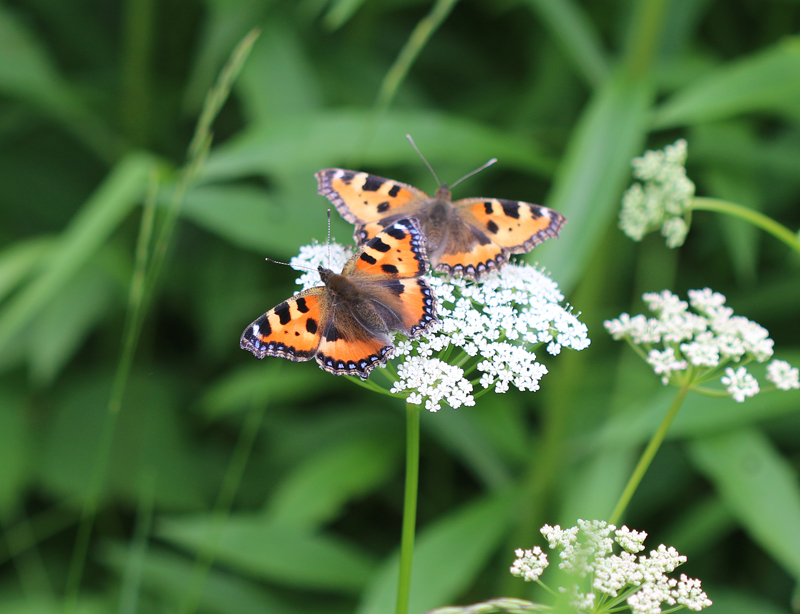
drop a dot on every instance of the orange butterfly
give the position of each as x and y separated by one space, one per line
345 324
468 237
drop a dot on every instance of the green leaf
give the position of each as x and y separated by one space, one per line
275 552
340 12
447 557
18 261
67 320
760 488
768 81
255 384
315 491
588 185
314 141
88 230
278 80
169 574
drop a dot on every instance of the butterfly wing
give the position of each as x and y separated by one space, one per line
495 228
389 269
368 201
292 329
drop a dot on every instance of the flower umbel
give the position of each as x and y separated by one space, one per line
664 198
609 574
690 348
486 338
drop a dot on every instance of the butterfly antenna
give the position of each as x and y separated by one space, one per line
300 266
419 153
476 171
330 255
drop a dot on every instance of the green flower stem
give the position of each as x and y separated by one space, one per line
647 456
409 507
749 215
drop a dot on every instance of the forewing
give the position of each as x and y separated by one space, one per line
291 330
396 252
363 198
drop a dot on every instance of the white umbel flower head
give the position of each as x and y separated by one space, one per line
490 331
686 347
664 198
604 559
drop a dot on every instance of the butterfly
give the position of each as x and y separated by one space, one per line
345 324
467 237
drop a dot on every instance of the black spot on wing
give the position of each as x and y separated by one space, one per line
492 227
487 206
332 334
511 210
396 232
301 305
311 326
390 268
379 245
394 191
372 184
283 313
480 237
367 258
383 207
347 177
395 286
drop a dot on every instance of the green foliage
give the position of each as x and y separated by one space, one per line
192 499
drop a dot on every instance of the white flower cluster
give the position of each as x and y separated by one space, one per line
488 332
331 256
697 347
588 551
664 201
486 335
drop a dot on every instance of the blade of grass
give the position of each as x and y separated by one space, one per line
89 229
416 42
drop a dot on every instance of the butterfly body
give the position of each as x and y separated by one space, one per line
345 324
467 237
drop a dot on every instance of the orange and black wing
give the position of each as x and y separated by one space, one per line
292 329
367 200
492 230
389 268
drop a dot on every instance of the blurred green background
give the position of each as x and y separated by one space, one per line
228 485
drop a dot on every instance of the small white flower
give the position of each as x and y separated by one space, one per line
529 564
740 384
664 363
783 375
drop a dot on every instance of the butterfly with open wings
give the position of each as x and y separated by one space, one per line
467 237
345 324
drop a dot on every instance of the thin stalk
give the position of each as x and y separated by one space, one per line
222 507
647 456
756 218
409 508
416 42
